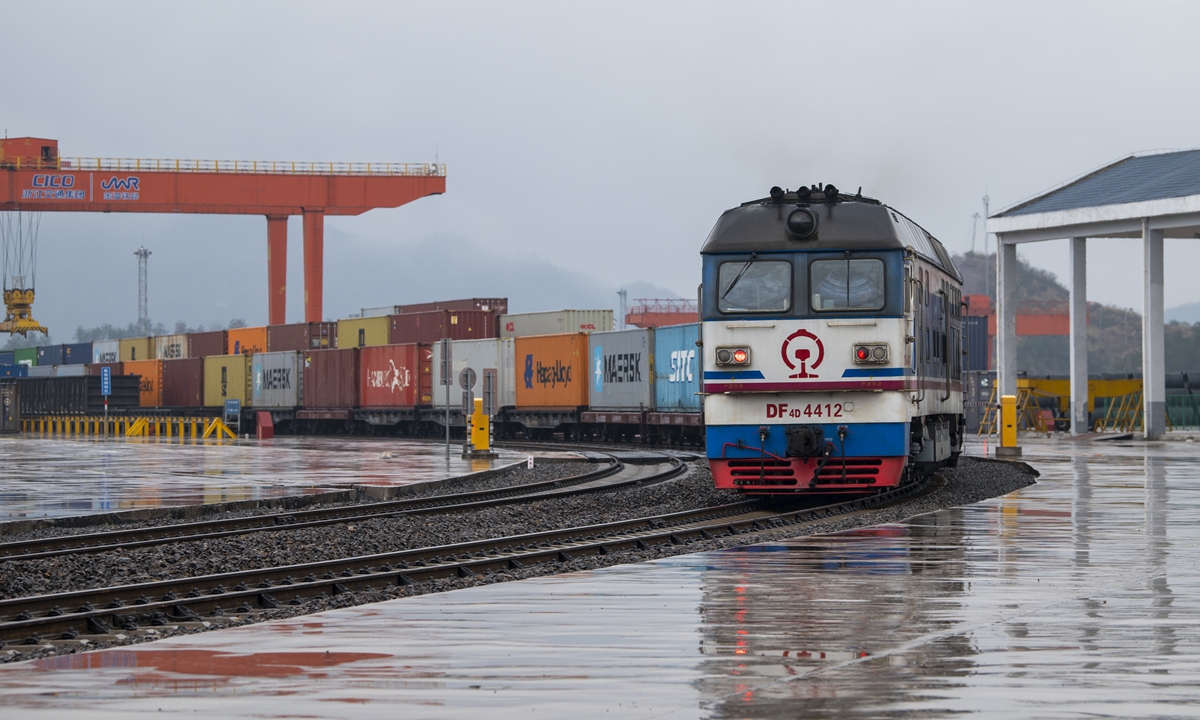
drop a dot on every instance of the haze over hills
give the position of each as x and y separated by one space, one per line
1187 313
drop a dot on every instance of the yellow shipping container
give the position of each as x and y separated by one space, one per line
150 385
226 377
363 332
135 349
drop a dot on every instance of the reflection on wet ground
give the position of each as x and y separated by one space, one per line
53 478
1078 596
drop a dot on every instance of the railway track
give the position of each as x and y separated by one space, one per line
213 599
604 478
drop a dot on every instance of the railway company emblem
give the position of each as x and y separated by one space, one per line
807 350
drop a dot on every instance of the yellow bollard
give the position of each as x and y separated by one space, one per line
1008 427
480 428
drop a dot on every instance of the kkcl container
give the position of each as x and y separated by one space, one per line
331 377
203 344
429 327
76 353
106 351
492 305
363 332
396 376
49 355
552 371
150 384
183 382
136 349
494 355
226 377
553 323
170 347
277 379
621 370
25 356
243 341
676 368
302 336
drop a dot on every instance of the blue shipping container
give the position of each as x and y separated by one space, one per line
77 353
8 358
677 368
50 355
11 371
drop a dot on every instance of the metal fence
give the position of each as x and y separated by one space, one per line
263 167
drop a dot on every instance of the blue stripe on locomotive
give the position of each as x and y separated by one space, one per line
862 440
677 368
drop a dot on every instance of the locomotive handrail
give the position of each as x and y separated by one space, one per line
946 339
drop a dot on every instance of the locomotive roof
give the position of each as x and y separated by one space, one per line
849 222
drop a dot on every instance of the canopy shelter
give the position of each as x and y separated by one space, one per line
1148 196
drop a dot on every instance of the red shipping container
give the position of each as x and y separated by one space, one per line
430 327
498 306
331 378
117 368
397 376
183 382
203 344
299 337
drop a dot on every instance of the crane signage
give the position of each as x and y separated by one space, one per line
119 188
47 186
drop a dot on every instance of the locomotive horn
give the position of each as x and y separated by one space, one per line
776 193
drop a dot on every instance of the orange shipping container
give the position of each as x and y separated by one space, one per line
247 340
552 371
151 383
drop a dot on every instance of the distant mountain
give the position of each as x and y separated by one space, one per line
1187 313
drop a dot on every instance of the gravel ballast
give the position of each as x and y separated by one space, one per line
973 481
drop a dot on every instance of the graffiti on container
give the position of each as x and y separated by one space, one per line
554 375
393 378
681 365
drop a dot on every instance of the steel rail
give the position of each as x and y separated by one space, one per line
105 611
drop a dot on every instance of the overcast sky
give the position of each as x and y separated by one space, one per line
589 146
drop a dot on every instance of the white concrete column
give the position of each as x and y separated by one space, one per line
1006 317
1154 377
1078 313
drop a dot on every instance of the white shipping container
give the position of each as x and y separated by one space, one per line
70 370
479 355
106 351
277 380
169 347
43 371
555 323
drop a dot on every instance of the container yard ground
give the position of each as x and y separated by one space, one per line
49 478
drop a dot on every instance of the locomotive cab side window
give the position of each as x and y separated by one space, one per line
849 284
755 286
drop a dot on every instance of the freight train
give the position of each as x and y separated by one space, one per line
832 338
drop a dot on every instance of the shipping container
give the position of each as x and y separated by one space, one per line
77 353
302 336
203 344
138 348
150 384
74 395
183 382
555 323
243 341
8 357
49 355
331 377
977 343
70 370
494 355
552 371
116 367
14 371
491 305
363 332
42 371
621 370
277 379
430 327
396 376
25 356
170 347
106 351
226 377
677 368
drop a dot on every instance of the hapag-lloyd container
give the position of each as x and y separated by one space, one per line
77 354
170 347
430 327
331 378
677 368
226 377
363 332
150 385
106 351
482 356
203 344
490 305
552 371
301 336
183 382
277 379
243 341
621 370
396 376
139 348
556 322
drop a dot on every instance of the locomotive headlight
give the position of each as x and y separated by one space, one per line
801 223
873 353
733 355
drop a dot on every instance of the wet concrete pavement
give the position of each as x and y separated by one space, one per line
1074 597
59 477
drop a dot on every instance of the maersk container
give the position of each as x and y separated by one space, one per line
677 368
140 348
396 376
552 371
203 344
150 384
430 327
49 355
277 379
8 357
170 347
493 355
244 341
556 322
331 378
77 353
621 370
302 336
363 332
25 356
106 351
183 382
226 377
489 305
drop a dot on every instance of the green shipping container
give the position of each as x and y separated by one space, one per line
26 356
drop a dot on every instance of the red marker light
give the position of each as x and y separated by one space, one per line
862 353
740 356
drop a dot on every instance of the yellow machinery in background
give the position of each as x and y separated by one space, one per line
1124 411
18 235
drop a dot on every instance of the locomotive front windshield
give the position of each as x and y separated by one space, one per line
847 284
748 286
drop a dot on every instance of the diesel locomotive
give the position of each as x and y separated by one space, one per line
832 345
